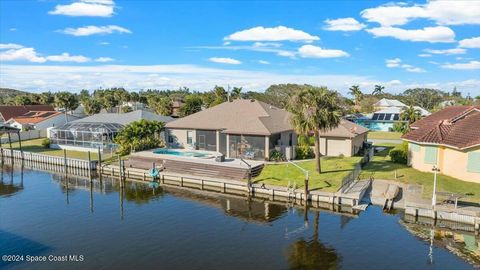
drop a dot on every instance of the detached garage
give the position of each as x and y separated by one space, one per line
347 139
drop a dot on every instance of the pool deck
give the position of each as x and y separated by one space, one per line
210 159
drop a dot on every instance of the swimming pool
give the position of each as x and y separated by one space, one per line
166 151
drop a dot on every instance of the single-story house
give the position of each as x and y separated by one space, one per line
9 111
40 120
252 129
448 139
241 128
346 139
97 131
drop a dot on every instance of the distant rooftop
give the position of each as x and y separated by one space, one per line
124 118
384 102
7 111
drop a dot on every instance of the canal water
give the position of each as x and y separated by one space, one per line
44 216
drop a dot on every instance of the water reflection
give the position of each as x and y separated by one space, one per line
463 244
7 185
311 253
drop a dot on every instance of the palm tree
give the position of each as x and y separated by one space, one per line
67 101
92 106
378 90
410 115
314 110
236 93
356 93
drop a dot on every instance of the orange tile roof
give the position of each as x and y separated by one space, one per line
35 117
457 126
7 111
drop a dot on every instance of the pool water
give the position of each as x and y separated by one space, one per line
151 227
166 151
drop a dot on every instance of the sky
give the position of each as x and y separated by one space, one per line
88 44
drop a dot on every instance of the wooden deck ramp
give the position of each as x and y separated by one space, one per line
194 168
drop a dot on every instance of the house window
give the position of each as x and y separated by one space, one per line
431 155
473 164
396 117
414 147
388 116
381 116
189 137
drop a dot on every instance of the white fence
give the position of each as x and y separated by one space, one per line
25 135
60 161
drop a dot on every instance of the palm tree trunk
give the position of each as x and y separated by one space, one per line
318 166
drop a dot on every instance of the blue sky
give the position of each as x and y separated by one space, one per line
86 44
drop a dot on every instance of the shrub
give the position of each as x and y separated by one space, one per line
276 156
306 140
399 154
304 152
46 143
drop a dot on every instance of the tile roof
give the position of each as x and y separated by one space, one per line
384 102
35 117
7 111
456 126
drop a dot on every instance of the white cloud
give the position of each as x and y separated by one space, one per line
22 54
427 34
65 77
279 33
263 62
90 8
13 29
66 57
463 66
310 51
473 43
104 43
397 63
391 63
343 24
95 30
442 12
425 55
104 59
267 44
224 60
447 51
4 46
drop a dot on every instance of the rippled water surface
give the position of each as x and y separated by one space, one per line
168 228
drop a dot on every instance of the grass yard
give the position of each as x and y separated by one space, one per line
385 135
334 169
36 147
380 167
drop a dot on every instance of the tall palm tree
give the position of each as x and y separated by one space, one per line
67 101
410 115
378 90
356 93
314 110
236 93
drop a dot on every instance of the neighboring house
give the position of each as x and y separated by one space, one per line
346 139
448 139
7 111
385 103
241 128
40 120
387 114
97 131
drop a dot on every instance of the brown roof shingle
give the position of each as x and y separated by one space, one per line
457 127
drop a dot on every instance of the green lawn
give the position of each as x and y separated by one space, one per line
380 167
36 147
334 169
384 135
